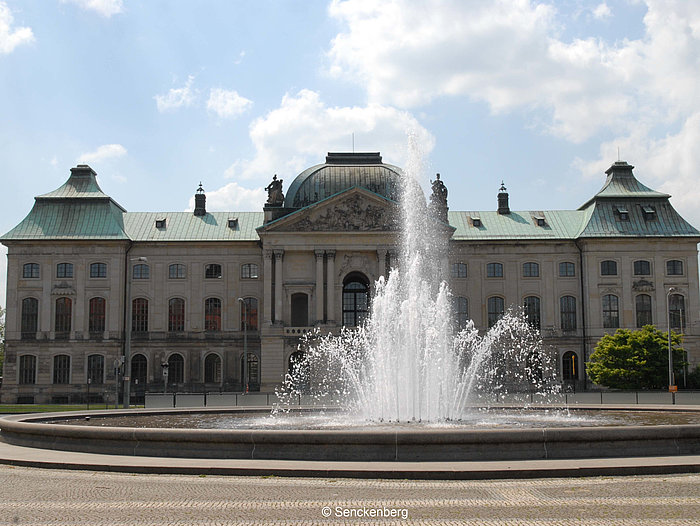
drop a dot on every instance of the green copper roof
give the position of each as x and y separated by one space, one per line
622 184
77 210
558 224
185 226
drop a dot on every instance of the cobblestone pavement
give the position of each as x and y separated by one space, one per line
36 497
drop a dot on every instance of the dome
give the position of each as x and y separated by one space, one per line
340 172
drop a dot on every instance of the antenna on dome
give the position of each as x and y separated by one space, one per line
618 153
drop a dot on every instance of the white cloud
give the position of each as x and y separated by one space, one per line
289 138
294 136
233 196
105 8
602 11
227 104
11 37
177 97
104 152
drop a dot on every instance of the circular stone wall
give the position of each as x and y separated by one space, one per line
350 445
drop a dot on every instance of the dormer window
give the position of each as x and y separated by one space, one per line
623 213
476 221
649 212
160 223
233 222
539 219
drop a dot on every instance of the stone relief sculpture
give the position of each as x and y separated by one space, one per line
275 196
351 214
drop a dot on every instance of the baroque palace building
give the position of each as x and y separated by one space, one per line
191 286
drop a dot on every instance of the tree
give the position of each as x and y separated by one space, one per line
635 359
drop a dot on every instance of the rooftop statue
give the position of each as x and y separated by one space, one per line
438 198
275 197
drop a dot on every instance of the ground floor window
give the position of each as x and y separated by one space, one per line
212 369
569 366
176 369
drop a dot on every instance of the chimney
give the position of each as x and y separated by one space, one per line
503 207
200 200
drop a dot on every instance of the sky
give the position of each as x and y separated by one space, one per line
157 96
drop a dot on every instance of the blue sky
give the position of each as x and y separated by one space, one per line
158 95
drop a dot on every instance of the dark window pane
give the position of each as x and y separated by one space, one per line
531 270
97 315
212 314
566 269
249 314
61 369
212 368
176 315
139 369
141 271
674 267
212 271
64 270
643 308
608 268
96 368
569 366
567 306
139 315
249 271
98 270
27 369
30 270
496 310
642 268
30 318
64 308
676 311
459 270
494 270
611 313
532 311
176 369
176 271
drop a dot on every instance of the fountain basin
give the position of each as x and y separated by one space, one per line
401 445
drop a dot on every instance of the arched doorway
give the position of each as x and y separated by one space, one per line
355 299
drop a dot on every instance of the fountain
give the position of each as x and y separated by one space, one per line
406 365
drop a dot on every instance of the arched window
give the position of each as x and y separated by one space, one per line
496 309
212 369
642 268
176 369
96 320
64 270
253 370
30 318
567 309
674 267
461 311
643 308
676 311
139 315
212 271
141 271
139 369
494 270
249 271
569 366
96 368
176 315
355 299
61 369
532 311
64 308
249 314
459 270
212 314
300 310
567 269
27 369
30 270
98 270
608 268
531 270
611 312
176 271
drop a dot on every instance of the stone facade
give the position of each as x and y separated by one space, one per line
579 274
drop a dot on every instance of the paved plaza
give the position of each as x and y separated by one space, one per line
36 497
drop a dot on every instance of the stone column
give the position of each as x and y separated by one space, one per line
278 287
319 285
330 255
381 258
267 287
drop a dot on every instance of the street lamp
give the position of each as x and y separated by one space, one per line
165 366
127 337
244 306
671 290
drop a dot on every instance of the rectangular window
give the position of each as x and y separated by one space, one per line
141 271
608 268
567 306
61 369
98 270
642 268
249 271
611 312
674 267
27 369
96 368
212 271
566 269
30 270
494 270
176 271
459 270
64 270
496 309
531 270
97 315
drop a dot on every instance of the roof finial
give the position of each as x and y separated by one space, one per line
503 187
200 190
618 154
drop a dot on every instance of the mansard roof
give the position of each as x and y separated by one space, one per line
185 226
79 209
524 225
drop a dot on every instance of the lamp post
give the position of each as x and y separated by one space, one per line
244 383
671 290
127 336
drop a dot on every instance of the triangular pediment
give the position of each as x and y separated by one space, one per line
353 210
